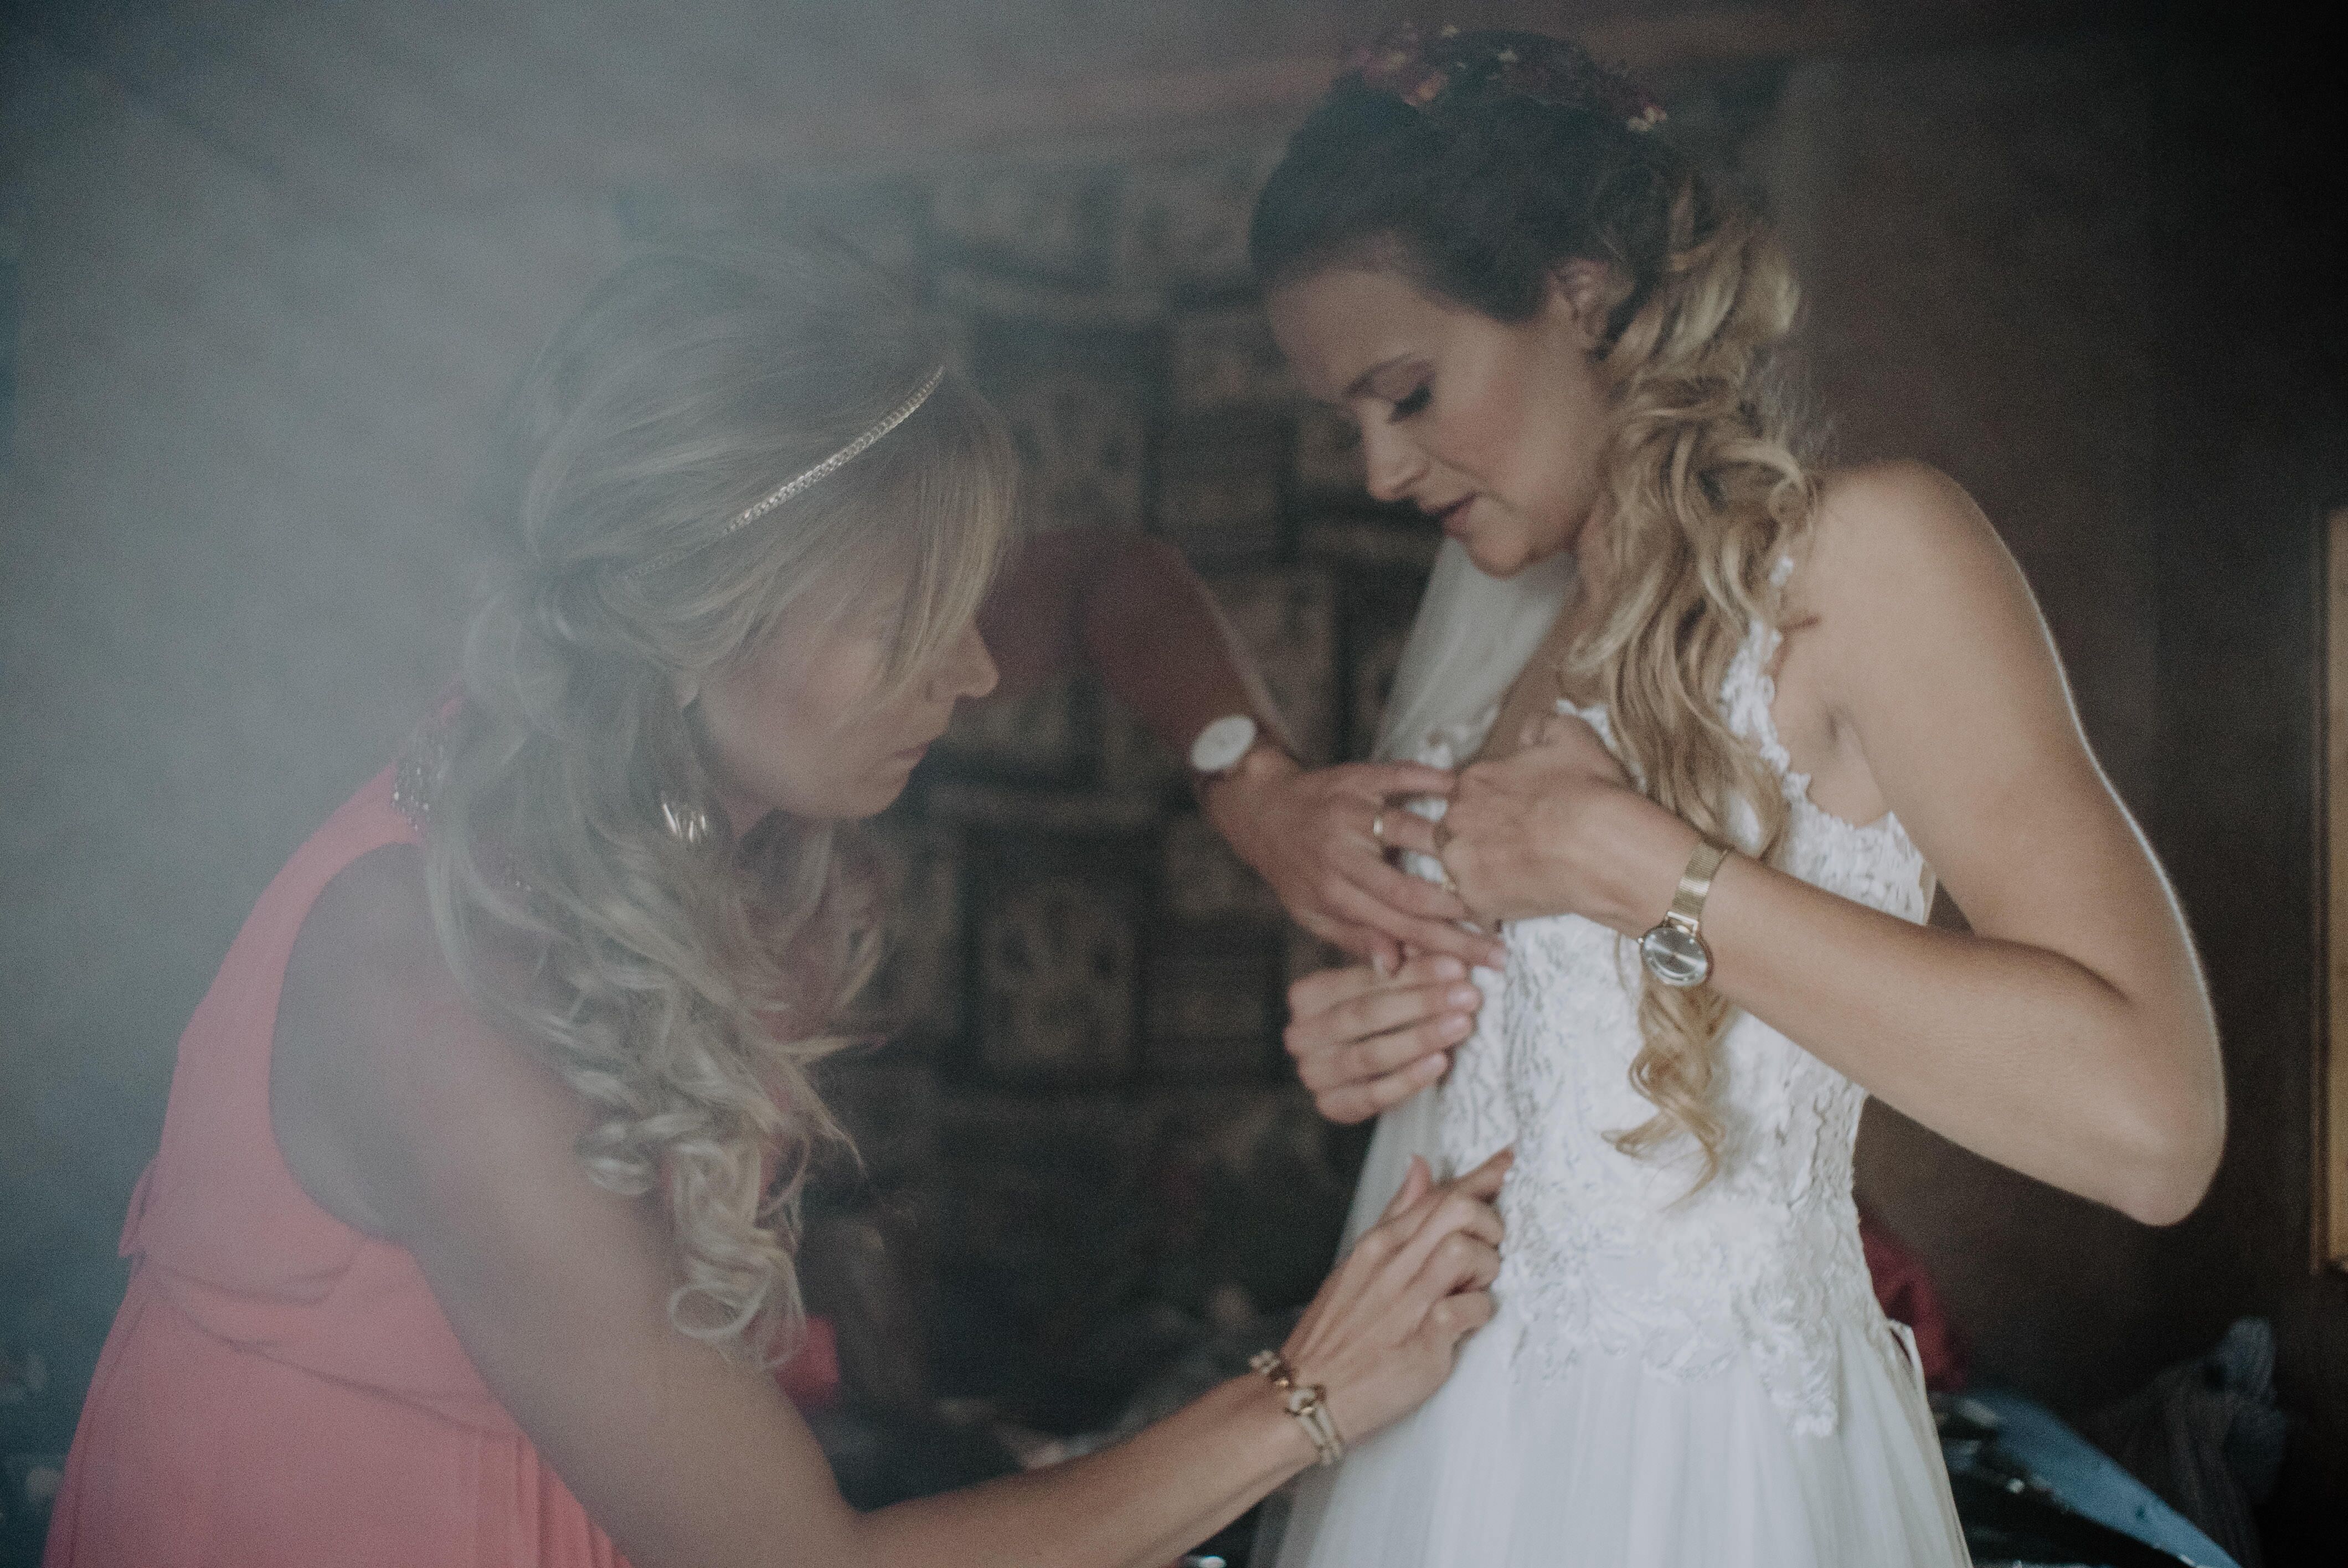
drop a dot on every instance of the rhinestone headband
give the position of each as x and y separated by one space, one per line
841 458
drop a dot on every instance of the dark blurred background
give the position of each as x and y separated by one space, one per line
266 269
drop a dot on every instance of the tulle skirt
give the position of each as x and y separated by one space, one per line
1614 1466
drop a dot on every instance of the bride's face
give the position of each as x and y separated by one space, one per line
1494 429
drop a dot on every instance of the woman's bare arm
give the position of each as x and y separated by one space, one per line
401 1111
2069 1035
1128 604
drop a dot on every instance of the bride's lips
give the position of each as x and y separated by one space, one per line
1452 519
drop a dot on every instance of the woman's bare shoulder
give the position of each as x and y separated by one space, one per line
373 915
378 1048
1883 519
1896 549
366 957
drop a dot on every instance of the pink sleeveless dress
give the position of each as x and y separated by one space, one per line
280 1389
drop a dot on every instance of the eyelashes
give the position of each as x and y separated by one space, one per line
1413 401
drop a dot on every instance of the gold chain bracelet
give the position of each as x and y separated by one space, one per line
1308 1402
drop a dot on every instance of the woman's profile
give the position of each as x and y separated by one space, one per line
471 1233
1724 717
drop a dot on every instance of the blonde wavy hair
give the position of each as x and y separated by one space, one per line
1480 191
683 989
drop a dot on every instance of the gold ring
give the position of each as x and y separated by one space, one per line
1378 826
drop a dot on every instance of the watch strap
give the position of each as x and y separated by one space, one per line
1695 885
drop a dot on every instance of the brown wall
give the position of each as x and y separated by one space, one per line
2257 450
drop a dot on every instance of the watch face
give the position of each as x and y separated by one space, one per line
1222 744
1678 959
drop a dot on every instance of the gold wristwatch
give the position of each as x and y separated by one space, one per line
1674 949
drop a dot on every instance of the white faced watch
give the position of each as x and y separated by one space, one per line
1674 949
1221 745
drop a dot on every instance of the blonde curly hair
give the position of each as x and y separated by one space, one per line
683 989
1480 188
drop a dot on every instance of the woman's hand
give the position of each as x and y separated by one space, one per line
1556 829
1364 1042
1308 833
1130 606
1381 1335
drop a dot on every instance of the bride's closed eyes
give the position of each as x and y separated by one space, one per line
1398 409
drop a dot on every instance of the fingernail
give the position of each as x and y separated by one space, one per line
1449 969
1463 996
1455 1024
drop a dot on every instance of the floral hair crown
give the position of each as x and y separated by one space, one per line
1427 74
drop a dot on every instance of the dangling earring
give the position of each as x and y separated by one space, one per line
688 825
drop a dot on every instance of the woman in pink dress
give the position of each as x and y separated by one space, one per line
469 1238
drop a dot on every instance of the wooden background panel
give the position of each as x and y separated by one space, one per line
2331 1097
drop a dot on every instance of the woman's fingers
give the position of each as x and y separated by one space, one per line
1329 1058
1371 1013
1357 1103
1479 1186
1366 902
1458 1207
1417 1280
1455 1318
1363 1061
1376 1012
1364 1044
1389 780
1339 877
1325 989
1400 891
1322 990
1447 1211
1459 1262
1421 913
1389 1053
1406 830
1378 951
1415 1181
1425 969
1484 1181
1435 936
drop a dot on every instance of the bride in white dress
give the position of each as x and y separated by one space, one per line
1684 667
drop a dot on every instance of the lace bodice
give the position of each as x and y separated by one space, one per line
1610 1251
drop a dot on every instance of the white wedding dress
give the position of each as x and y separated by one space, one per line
1672 1380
